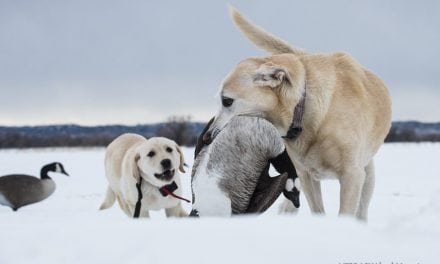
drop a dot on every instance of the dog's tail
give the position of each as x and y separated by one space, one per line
109 200
260 37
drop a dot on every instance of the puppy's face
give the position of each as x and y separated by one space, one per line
158 160
253 88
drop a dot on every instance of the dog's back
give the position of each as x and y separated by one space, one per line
114 157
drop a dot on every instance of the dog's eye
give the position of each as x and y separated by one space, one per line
151 154
226 101
169 149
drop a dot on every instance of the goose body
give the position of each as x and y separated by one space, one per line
231 174
18 190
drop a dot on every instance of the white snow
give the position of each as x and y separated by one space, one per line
403 227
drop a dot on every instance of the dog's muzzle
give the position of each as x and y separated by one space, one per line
167 175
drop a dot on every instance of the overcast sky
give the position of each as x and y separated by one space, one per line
106 62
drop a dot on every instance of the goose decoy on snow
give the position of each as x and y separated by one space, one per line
17 190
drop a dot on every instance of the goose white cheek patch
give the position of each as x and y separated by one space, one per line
58 168
291 184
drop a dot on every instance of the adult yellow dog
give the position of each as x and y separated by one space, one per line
342 109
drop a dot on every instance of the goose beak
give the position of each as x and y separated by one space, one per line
65 173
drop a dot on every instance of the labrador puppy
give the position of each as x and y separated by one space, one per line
144 172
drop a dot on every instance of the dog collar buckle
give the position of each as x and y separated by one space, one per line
167 189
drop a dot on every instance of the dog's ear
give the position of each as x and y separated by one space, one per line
271 75
182 159
130 164
136 173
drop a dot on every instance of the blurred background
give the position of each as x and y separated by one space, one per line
137 62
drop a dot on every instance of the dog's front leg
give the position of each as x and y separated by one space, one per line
131 208
145 214
124 206
351 187
176 211
312 190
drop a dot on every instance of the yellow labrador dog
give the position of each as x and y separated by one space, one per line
334 114
155 163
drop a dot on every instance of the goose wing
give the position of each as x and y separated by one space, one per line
268 189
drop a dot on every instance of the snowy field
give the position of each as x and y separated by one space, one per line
404 225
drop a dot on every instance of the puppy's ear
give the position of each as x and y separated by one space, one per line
136 173
271 75
182 159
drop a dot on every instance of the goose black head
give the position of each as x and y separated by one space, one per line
52 167
57 167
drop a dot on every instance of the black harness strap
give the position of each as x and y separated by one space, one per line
165 191
137 209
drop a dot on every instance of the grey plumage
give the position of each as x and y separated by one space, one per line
18 190
240 153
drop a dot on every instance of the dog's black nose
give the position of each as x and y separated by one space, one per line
207 138
166 163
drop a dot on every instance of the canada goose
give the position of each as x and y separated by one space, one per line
231 173
17 190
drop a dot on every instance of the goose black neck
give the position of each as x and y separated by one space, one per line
45 170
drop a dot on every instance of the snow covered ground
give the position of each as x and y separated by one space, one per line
404 224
